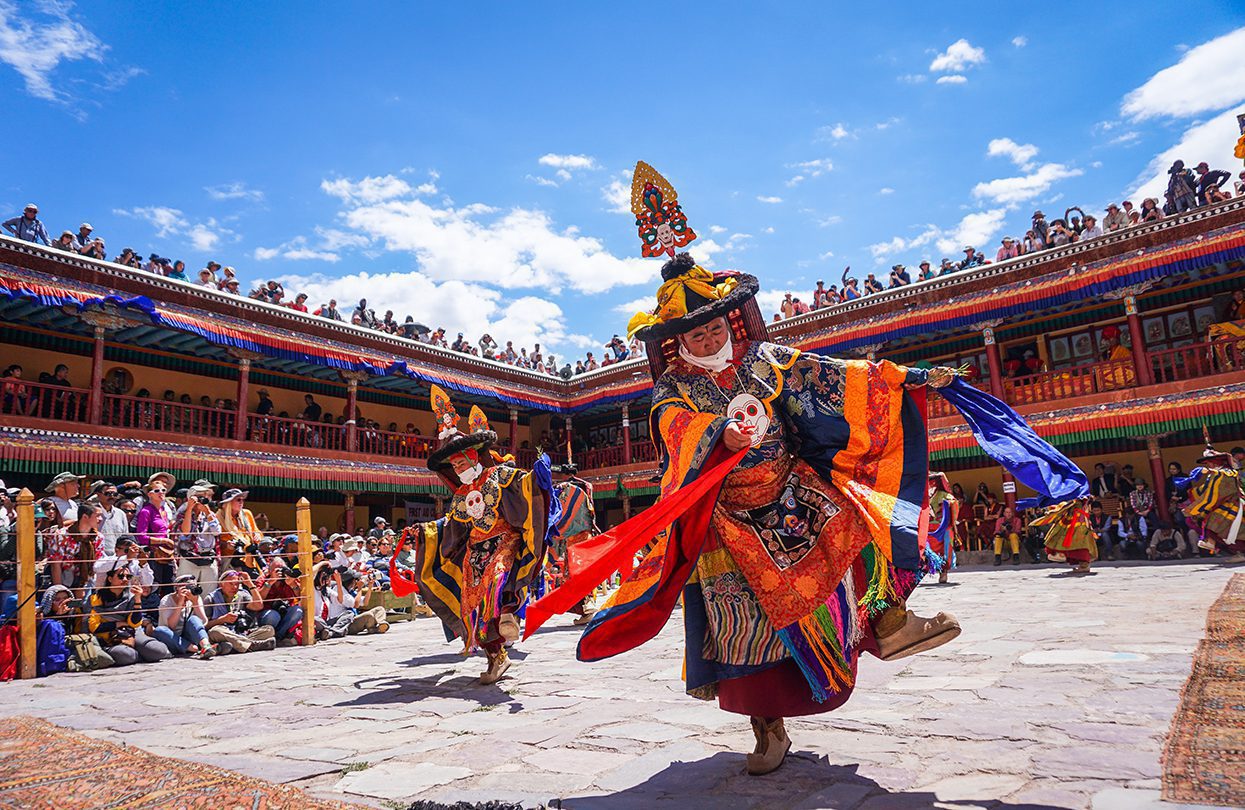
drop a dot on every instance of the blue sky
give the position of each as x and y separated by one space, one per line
469 164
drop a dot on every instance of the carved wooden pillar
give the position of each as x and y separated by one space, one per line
994 361
96 409
349 511
626 502
626 432
514 430
244 391
352 378
568 438
1141 360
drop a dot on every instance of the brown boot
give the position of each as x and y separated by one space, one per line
900 634
497 666
772 746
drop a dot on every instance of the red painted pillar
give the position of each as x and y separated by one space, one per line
995 362
352 426
514 430
568 439
1158 471
1145 375
96 410
349 512
244 386
626 431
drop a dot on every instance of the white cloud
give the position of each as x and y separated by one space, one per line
958 57
645 303
296 249
1020 41
568 162
172 223
911 78
716 229
1020 154
769 200
887 124
519 247
885 190
768 229
952 79
1211 141
1010 190
835 133
829 254
618 194
371 190
898 244
542 181
1126 139
35 37
234 191
1207 78
976 229
809 169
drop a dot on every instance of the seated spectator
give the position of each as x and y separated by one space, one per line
27 226
182 620
1166 543
115 618
991 520
899 277
1009 250
850 293
872 285
1105 526
205 279
926 271
1008 529
299 304
1091 229
233 616
338 608
971 258
1150 211
56 604
66 242
1060 235
280 590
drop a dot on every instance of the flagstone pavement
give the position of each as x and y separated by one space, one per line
1057 695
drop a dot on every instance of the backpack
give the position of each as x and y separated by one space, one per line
88 655
51 652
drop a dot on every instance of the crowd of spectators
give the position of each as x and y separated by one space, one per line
141 571
1186 190
1123 514
225 279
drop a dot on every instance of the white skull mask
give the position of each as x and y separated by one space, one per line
474 504
749 410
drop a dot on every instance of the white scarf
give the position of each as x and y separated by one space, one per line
467 476
715 362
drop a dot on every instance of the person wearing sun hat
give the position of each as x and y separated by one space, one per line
65 489
1215 505
477 564
236 521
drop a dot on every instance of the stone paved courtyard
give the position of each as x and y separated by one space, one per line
1058 694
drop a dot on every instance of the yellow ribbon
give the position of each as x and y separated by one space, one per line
672 297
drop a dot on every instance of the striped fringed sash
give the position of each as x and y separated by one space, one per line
824 643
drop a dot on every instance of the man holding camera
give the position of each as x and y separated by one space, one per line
233 615
199 531
280 590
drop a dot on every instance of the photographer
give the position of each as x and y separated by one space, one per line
116 620
182 620
337 607
198 533
233 610
280 590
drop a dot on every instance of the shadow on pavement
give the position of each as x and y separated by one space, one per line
384 691
805 781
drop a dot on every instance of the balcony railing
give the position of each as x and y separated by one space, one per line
1198 360
140 413
391 443
41 401
1074 381
296 433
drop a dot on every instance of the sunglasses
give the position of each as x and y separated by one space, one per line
161 490
122 574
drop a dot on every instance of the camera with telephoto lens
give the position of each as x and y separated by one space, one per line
196 590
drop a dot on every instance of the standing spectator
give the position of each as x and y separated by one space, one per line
237 524
926 271
83 237
28 227
115 523
872 285
115 618
66 243
64 489
311 409
1174 471
1210 184
265 406
366 316
1009 250
198 531
619 348
1141 508
151 528
299 304
178 271
788 306
183 620
1059 235
899 277
946 267
379 528
1103 482
1040 230
1105 527
1126 481
205 279
330 311
1091 229
1181 188
971 258
1239 185
1115 219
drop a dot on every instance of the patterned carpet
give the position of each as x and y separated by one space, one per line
43 765
1204 762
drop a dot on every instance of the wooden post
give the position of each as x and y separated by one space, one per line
514 430
96 409
626 431
626 502
568 439
244 381
1141 361
302 522
26 583
1158 471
